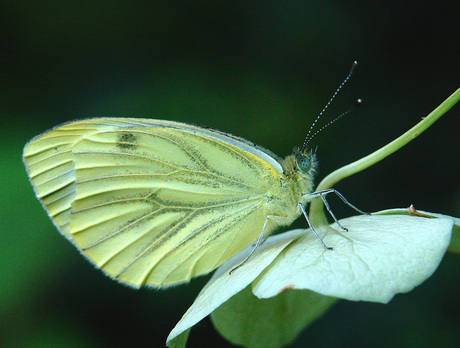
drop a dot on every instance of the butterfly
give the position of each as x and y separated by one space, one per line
154 202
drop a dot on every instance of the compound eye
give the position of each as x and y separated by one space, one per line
303 162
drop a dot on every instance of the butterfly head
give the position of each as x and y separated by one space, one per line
302 163
306 161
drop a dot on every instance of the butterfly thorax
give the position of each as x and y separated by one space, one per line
299 170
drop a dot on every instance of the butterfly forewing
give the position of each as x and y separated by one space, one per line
150 202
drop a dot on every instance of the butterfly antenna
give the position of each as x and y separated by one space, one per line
308 137
357 104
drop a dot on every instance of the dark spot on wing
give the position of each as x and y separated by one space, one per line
127 141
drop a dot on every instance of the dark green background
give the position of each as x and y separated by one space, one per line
258 69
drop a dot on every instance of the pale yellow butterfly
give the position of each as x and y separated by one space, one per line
159 202
154 202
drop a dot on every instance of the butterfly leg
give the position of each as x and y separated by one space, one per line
258 243
323 194
311 227
344 200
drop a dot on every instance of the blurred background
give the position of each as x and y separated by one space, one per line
262 70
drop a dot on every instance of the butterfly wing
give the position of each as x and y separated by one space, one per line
151 202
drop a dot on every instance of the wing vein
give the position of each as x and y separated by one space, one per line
215 236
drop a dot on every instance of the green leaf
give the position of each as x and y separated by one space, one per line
252 322
454 246
179 341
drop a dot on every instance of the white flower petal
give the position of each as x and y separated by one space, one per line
223 286
378 257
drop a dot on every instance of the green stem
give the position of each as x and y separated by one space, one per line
317 214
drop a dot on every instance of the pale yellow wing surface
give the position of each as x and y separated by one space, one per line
151 202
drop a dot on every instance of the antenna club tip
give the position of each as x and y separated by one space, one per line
355 63
357 103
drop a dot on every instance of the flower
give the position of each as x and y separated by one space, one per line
379 256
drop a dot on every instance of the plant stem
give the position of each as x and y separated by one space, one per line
317 214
